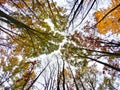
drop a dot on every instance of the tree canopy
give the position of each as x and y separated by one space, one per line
45 46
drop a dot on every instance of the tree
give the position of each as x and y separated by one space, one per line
85 49
27 35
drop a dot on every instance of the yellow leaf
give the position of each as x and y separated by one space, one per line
111 22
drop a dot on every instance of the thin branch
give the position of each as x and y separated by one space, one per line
18 7
108 65
58 77
82 83
37 77
73 77
87 13
63 74
11 31
30 9
50 8
102 52
73 7
18 23
106 15
76 11
28 78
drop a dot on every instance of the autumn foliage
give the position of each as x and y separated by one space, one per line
3 1
34 33
111 22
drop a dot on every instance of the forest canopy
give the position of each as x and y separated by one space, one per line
46 46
